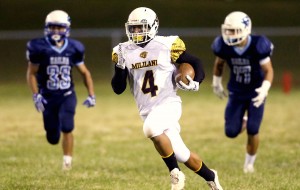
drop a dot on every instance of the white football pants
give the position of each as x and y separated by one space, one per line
165 119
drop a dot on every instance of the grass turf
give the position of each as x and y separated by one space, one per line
111 152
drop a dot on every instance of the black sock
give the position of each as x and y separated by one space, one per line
206 173
171 162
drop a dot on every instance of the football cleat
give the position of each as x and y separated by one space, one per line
214 185
248 168
67 164
177 179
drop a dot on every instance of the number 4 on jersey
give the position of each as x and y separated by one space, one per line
148 84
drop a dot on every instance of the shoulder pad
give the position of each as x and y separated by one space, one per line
166 40
34 49
33 45
77 44
173 43
177 48
264 46
217 45
114 57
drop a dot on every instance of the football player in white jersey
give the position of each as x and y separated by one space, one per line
148 62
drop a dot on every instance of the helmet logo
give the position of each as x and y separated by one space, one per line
143 54
143 21
246 21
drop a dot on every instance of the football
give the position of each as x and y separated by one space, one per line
182 70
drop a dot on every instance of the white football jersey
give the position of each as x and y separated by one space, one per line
151 70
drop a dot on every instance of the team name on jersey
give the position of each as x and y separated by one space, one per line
144 64
59 60
240 61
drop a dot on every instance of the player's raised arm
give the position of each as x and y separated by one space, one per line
118 81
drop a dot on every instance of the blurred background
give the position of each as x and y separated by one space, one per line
100 25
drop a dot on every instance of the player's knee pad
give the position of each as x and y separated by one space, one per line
231 132
67 129
52 139
67 124
232 128
182 154
252 131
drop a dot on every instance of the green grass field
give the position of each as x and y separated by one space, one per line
111 152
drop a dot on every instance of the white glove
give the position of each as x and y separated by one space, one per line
39 102
262 93
90 101
121 60
218 87
192 86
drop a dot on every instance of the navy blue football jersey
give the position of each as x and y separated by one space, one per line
245 70
55 64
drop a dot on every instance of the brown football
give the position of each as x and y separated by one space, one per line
184 69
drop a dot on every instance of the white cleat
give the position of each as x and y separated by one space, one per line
66 166
248 168
177 179
215 185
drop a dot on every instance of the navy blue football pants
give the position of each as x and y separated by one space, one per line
59 115
234 113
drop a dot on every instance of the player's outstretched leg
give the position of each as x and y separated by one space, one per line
210 176
163 146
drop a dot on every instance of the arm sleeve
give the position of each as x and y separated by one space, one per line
118 81
196 64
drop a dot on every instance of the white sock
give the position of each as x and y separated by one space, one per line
250 159
67 159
